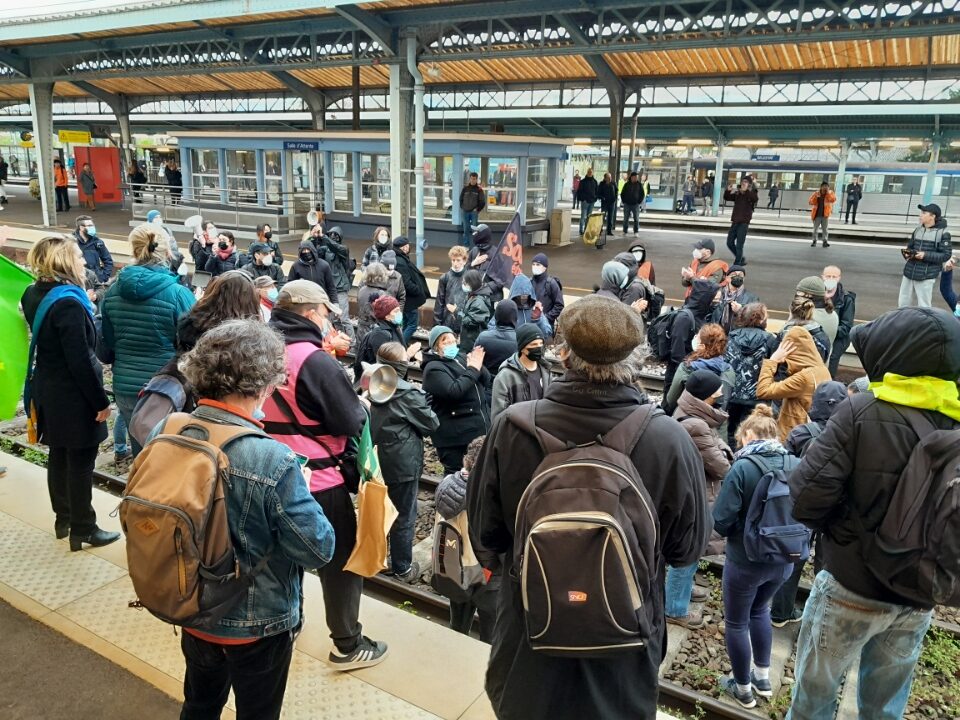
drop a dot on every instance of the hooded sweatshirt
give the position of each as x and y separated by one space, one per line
140 314
826 398
482 240
525 312
805 371
499 340
314 269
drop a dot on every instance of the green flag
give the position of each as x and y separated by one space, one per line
14 341
367 459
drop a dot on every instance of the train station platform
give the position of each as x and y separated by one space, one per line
431 672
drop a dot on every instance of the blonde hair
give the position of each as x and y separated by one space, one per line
760 424
458 252
148 245
55 256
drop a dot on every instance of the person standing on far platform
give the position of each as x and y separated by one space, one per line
174 181
473 199
689 190
929 248
854 194
744 199
88 183
706 192
586 197
645 183
772 196
632 197
60 186
607 194
821 205
576 185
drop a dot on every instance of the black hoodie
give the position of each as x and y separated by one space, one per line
313 269
844 484
482 245
700 304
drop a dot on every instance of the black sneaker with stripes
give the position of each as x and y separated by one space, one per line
367 654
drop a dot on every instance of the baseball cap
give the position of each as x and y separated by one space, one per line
932 208
305 292
706 244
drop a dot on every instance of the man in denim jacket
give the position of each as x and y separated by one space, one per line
271 513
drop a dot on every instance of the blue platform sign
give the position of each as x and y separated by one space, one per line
766 156
301 145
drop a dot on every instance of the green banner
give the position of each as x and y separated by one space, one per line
14 341
367 459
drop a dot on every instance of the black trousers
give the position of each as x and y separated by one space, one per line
70 482
452 458
341 589
852 206
482 601
63 198
737 412
785 599
736 239
257 671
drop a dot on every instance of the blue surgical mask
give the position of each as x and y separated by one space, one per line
91 231
397 320
466 288
258 414
451 351
273 294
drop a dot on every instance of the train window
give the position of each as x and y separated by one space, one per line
375 183
343 182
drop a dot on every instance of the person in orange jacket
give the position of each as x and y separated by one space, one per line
60 186
704 266
821 204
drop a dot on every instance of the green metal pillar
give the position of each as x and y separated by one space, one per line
931 172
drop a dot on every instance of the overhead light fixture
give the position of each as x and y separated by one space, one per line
694 141
955 144
582 141
433 72
750 143
818 143
900 143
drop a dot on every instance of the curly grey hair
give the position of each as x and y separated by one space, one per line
627 372
242 357
376 274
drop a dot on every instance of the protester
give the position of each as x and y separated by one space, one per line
748 345
805 370
272 520
602 359
845 308
929 248
546 288
457 385
744 199
639 288
202 243
66 388
310 266
854 195
704 266
262 264
480 256
265 237
586 197
88 183
414 285
735 296
225 257
394 279
645 266
397 427
231 296
140 314
315 412
802 310
700 416
824 313
451 500
477 309
268 293
96 256
473 199
747 585
614 280
821 205
387 318
859 385
632 198
709 356
372 286
381 243
330 247
529 308
845 488
499 340
450 294
522 376
692 316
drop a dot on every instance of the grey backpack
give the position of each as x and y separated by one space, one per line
585 541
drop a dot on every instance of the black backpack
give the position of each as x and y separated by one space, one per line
660 333
770 532
586 538
915 551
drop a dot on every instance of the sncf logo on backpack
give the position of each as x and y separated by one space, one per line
586 540
173 511
915 551
770 534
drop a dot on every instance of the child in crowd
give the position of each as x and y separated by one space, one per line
451 500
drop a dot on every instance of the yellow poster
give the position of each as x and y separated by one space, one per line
74 136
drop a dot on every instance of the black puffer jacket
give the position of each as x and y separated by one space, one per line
845 481
700 304
747 348
845 306
309 266
397 428
588 190
275 272
935 245
458 395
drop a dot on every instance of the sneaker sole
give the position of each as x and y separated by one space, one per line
357 664
762 693
784 623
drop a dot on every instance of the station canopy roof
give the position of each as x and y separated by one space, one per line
168 47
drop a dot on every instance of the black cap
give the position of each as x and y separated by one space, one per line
706 244
737 268
933 209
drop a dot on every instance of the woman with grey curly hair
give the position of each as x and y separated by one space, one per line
275 526
375 282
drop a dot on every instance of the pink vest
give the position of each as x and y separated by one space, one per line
297 355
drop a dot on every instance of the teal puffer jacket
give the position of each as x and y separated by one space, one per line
140 313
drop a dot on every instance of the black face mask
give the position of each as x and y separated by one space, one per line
307 258
736 282
535 354
267 235
223 246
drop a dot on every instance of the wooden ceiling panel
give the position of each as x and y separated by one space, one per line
189 84
130 86
269 17
946 50
14 92
65 89
252 81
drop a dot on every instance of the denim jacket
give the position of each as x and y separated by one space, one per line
269 510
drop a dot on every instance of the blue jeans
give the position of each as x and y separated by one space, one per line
404 498
411 318
470 217
585 209
946 289
747 590
687 203
839 625
120 436
628 212
679 586
125 405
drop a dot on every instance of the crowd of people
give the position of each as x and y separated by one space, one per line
519 393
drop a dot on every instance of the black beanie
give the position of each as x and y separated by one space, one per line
703 384
506 313
526 334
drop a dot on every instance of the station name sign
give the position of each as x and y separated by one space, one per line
300 145
766 156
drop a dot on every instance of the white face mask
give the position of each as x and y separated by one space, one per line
538 269
830 284
383 238
267 260
466 288
697 253
157 221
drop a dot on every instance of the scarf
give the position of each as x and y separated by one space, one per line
923 393
225 254
761 447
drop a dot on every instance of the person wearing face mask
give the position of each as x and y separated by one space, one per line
522 376
331 248
479 258
268 293
640 292
845 307
381 243
315 413
548 289
529 309
744 199
704 266
415 285
457 386
263 265
265 237
397 427
645 265
225 256
477 309
499 340
734 297
177 265
695 312
748 345
614 279
395 285
386 328
96 257
310 266
203 244
450 295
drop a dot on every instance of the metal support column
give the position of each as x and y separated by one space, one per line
41 108
418 160
931 172
328 196
456 182
401 108
357 186
261 179
719 179
841 183
554 184
222 179
355 92
616 131
522 168
122 111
